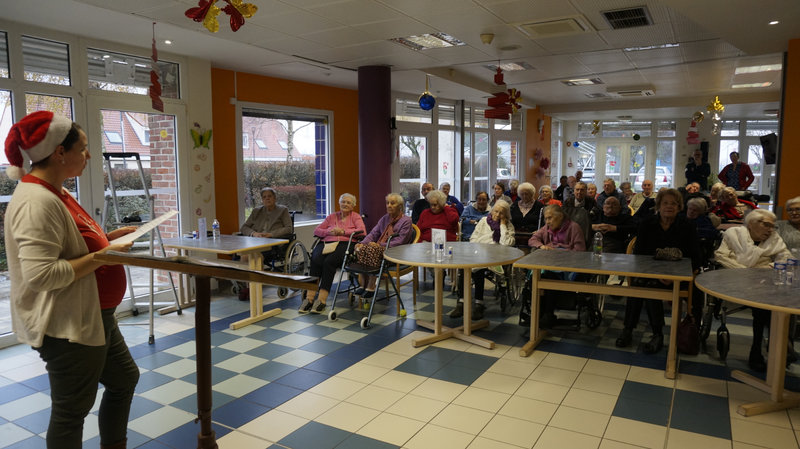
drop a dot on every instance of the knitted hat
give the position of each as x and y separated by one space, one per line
38 133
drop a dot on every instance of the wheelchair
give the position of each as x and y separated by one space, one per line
352 269
295 259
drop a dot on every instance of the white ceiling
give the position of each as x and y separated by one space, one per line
325 41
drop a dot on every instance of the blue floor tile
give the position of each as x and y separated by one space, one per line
34 442
270 371
272 395
156 360
474 361
220 338
303 379
269 351
35 422
701 413
219 355
646 392
354 353
238 412
151 379
439 355
355 441
458 374
315 436
217 375
154 444
420 366
14 391
38 383
323 346
704 369
189 403
142 406
649 412
317 331
268 335
185 436
330 364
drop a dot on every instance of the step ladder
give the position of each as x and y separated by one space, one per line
112 200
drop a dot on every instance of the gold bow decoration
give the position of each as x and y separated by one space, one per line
206 12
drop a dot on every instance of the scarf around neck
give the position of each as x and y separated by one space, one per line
495 226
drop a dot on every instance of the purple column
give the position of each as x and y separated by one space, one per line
374 141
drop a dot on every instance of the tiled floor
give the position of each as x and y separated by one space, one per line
301 381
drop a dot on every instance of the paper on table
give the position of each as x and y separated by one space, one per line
145 228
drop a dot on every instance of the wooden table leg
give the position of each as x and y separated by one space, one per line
467 301
206 439
672 350
536 334
256 263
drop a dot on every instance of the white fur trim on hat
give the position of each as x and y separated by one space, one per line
38 134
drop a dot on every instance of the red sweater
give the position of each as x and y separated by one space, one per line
447 220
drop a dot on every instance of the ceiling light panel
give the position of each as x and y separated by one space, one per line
511 66
758 68
751 85
428 41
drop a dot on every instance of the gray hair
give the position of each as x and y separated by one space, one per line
396 197
716 188
348 196
591 184
698 203
553 209
526 187
514 184
625 184
504 207
444 184
757 215
269 189
542 189
613 183
792 201
436 196
581 183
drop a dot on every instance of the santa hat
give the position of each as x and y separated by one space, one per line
39 134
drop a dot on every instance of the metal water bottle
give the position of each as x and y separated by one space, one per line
597 244
215 229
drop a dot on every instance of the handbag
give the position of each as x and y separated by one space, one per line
688 336
370 255
329 247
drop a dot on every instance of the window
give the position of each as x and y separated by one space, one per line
4 73
113 137
45 61
409 111
245 141
118 72
556 147
447 114
293 160
626 129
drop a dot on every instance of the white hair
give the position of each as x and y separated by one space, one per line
757 215
348 196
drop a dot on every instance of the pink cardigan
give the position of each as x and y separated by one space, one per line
351 224
569 236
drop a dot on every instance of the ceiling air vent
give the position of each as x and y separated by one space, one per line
632 92
628 18
552 28
597 95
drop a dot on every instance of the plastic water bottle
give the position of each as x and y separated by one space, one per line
449 252
779 273
792 273
440 252
597 245
215 229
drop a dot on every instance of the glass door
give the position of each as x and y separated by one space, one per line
414 154
622 161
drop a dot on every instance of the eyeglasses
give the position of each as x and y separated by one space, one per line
793 210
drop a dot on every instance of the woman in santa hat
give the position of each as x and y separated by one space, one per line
62 301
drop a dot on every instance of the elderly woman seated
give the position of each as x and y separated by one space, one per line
755 245
789 230
697 213
546 196
665 229
473 213
730 208
439 216
334 232
526 212
496 228
558 233
394 222
617 228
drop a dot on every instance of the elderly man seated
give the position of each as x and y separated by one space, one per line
582 199
617 229
610 190
422 203
755 245
639 198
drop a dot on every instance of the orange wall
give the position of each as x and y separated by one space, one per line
788 187
534 140
246 87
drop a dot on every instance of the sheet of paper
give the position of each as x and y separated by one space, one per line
145 228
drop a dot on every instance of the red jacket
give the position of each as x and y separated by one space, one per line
447 220
743 180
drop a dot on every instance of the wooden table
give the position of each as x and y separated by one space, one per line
230 245
465 256
206 438
607 264
753 287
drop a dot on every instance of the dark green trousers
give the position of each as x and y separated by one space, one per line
75 371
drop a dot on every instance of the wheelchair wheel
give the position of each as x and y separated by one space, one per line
593 318
296 262
723 342
283 292
705 325
365 323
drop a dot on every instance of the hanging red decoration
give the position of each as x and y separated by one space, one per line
155 85
207 12
502 104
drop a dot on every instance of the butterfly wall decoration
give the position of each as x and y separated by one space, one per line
206 12
199 137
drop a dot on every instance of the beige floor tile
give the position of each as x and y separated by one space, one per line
500 383
512 368
564 362
534 359
417 407
239 385
237 440
308 405
486 443
680 439
344 336
498 351
291 340
577 420
636 433
439 389
490 401
392 429
364 373
611 444
608 369
338 324
347 416
529 409
700 384
650 376
751 432
298 358
432 436
385 359
291 326
512 431
453 343
375 397
599 384
399 381
463 419
740 445
555 438
590 400
551 375
338 388
542 391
